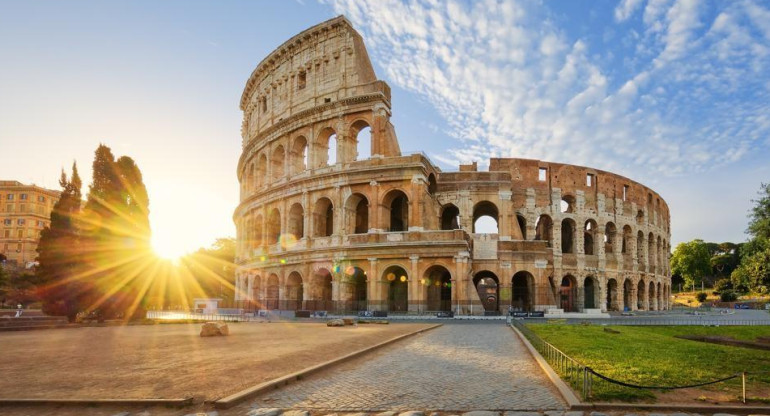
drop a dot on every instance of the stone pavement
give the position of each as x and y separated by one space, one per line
453 368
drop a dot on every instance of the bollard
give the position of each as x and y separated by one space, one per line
743 380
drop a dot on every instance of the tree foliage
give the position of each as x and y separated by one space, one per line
759 217
692 261
753 273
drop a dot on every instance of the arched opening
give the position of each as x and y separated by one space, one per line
640 217
590 289
544 229
321 291
251 178
362 133
294 292
610 234
640 304
432 185
612 295
278 159
256 290
488 288
485 218
353 294
522 285
651 302
438 285
357 212
323 218
628 236
568 294
567 204
258 232
627 295
522 225
299 155
296 221
450 217
274 227
271 293
651 257
397 210
589 238
398 289
568 235
660 296
261 171
325 151
640 249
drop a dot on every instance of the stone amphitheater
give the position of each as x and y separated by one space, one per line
334 217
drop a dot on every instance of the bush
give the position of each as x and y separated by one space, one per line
701 297
728 296
722 285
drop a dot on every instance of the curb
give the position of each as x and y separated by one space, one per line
95 402
238 397
565 391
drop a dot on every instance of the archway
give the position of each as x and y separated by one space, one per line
323 218
256 290
568 294
567 204
294 292
257 232
488 288
278 158
357 212
612 295
590 289
354 293
522 284
432 185
326 148
640 303
568 236
610 234
274 227
485 218
398 289
640 250
450 217
544 229
272 291
628 237
590 239
362 133
397 210
627 295
296 221
438 285
522 225
321 291
299 155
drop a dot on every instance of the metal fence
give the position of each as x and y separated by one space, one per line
591 384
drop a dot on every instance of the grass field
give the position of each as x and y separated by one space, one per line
652 356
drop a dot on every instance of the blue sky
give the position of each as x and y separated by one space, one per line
672 93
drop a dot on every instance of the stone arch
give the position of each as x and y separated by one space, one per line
299 155
628 299
432 185
323 218
485 218
660 296
361 132
544 229
294 292
353 290
258 232
590 238
628 236
610 235
567 204
296 221
450 217
325 151
321 290
522 291
640 301
396 210
651 257
357 213
522 225
438 287
398 288
488 287
612 295
256 290
568 227
251 178
261 170
652 303
274 226
568 294
272 291
640 217
640 249
591 293
277 162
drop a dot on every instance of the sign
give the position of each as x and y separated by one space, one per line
540 314
541 264
444 314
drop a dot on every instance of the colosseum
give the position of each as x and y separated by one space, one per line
334 217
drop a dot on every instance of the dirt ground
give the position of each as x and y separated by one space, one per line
170 361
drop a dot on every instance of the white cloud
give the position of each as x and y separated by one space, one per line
510 82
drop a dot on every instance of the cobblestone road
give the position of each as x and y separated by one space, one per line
455 367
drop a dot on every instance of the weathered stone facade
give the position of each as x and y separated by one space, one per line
323 226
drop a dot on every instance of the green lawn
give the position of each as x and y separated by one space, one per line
652 356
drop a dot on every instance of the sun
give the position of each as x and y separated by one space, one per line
168 248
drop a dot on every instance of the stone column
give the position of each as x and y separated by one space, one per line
415 211
373 285
415 302
505 222
374 207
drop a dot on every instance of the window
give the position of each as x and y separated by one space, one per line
18 247
327 100
301 80
20 233
22 207
20 221
9 197
264 104
542 174
7 234
40 224
625 192
8 222
41 199
23 197
9 208
590 179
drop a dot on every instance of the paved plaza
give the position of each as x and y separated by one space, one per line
456 367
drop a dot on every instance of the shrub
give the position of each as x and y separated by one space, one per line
701 297
722 285
728 296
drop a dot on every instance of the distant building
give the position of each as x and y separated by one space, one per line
25 210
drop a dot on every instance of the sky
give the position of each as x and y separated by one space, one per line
674 94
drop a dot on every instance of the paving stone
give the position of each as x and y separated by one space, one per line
264 411
481 413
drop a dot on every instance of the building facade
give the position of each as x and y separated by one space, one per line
25 210
333 216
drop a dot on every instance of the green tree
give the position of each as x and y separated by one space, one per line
60 289
753 273
692 261
213 269
759 218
